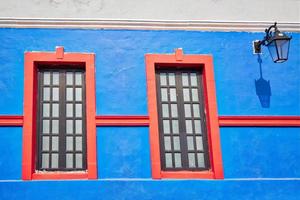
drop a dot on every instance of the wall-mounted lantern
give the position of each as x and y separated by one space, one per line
277 42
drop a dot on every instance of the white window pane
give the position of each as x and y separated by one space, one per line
46 78
163 79
196 110
69 160
187 110
69 126
46 110
185 79
168 158
174 112
78 78
200 157
193 79
69 95
167 142
166 126
78 143
175 127
54 160
195 95
45 160
55 94
69 110
45 143
190 143
197 126
199 143
164 94
55 110
78 126
171 79
78 108
55 78
186 94
69 77
78 94
46 94
46 126
78 160
69 146
178 160
188 126
54 143
165 110
173 96
191 158
176 143
55 126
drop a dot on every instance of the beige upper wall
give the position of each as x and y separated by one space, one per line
219 10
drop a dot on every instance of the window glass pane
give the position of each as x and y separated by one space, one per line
174 110
69 94
196 110
167 143
69 110
45 160
186 94
45 143
190 142
188 126
166 125
55 78
46 78
173 96
175 127
69 146
193 79
46 94
199 143
171 79
69 77
55 126
200 157
195 95
176 143
78 96
185 79
69 160
54 160
78 143
168 157
69 126
55 94
55 110
191 157
165 110
163 79
54 143
197 126
177 160
164 94
78 78
187 110
46 126
78 110
78 160
78 126
46 110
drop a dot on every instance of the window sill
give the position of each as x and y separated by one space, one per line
59 175
188 174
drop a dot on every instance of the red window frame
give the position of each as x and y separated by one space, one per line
197 61
30 107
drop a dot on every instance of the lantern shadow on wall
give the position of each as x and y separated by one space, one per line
263 87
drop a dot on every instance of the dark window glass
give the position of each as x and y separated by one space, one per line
182 129
61 134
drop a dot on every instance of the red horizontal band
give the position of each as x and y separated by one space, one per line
122 120
187 174
59 176
11 120
275 121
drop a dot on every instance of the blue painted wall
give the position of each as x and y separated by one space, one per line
123 153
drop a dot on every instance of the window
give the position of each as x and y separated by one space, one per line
59 132
184 130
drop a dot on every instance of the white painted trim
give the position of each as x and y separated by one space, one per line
131 24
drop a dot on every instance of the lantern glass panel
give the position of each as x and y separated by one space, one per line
283 49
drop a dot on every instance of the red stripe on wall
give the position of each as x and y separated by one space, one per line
122 120
271 121
11 120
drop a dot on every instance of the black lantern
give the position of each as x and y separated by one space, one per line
277 42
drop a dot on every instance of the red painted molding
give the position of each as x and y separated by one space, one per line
258 121
11 120
122 120
59 176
